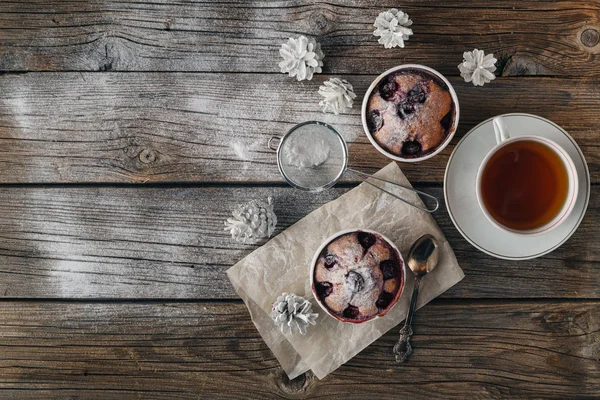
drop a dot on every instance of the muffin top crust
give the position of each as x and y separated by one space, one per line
410 113
358 276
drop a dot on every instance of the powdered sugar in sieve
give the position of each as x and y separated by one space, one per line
313 156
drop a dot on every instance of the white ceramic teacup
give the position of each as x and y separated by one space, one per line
503 139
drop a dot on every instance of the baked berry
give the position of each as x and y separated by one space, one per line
351 312
366 240
411 148
330 260
388 88
355 281
374 121
324 289
388 268
447 120
417 95
384 300
406 110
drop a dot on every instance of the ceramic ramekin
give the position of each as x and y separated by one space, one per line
417 67
314 263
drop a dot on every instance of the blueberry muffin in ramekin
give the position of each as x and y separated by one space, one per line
410 113
357 275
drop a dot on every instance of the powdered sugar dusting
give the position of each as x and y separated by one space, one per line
244 151
349 133
241 150
364 295
308 149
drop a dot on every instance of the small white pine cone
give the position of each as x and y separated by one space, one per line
393 27
292 314
338 95
252 222
301 57
477 67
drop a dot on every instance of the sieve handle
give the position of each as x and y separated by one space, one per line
364 177
271 141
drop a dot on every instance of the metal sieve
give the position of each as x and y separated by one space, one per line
305 164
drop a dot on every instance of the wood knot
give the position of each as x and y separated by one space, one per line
147 156
296 385
516 65
109 60
590 37
319 23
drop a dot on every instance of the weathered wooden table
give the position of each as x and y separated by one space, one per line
117 120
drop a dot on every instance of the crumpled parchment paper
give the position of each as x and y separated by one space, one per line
283 265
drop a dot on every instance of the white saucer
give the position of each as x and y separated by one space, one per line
461 201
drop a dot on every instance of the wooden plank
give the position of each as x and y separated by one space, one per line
150 127
211 350
169 243
162 35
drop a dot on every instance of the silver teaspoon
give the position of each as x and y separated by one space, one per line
422 259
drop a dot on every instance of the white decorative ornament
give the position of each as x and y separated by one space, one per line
292 313
393 27
338 95
477 67
252 221
301 57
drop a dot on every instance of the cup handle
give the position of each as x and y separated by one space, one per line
271 143
500 130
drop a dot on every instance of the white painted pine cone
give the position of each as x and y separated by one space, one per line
302 57
393 28
252 222
477 67
292 314
338 95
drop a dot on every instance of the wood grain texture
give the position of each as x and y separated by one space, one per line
128 243
211 350
179 98
153 127
529 38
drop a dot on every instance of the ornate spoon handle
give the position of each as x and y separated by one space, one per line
403 348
